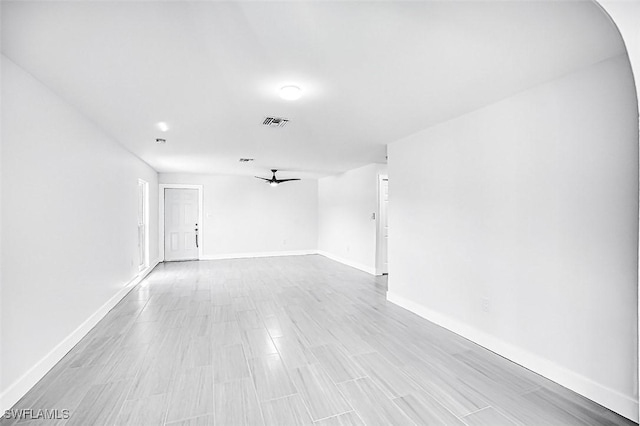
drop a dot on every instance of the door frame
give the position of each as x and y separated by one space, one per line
161 189
146 204
379 230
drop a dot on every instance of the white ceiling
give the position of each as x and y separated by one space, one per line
372 72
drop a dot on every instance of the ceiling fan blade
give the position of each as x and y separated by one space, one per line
284 180
258 177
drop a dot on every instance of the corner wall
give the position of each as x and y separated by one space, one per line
626 16
516 227
346 228
245 217
69 228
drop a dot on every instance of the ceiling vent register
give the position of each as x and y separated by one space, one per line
275 122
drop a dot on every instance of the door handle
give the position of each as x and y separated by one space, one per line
197 246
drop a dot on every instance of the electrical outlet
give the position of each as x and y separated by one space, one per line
486 304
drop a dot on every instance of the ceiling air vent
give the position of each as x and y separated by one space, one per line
275 122
245 160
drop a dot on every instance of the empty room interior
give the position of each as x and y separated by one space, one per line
328 213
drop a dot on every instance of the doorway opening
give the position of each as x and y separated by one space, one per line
181 222
382 231
143 224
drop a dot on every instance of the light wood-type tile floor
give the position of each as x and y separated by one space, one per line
288 341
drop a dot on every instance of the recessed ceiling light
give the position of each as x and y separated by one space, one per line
290 93
163 126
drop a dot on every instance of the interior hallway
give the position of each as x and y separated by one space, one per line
283 341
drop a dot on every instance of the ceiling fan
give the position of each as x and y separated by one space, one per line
274 181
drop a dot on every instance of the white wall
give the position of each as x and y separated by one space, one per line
244 216
532 204
1 173
69 227
626 15
346 229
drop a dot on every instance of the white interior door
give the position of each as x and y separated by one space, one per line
384 202
180 224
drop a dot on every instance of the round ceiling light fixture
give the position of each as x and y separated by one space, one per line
290 93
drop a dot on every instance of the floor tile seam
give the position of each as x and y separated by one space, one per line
182 419
373 381
337 388
353 410
393 399
507 415
355 380
277 398
476 411
125 400
166 409
251 381
571 414
133 382
404 374
129 384
175 374
528 391
351 380
508 368
304 403
439 401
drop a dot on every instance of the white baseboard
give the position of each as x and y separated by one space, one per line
257 254
624 405
360 266
21 386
